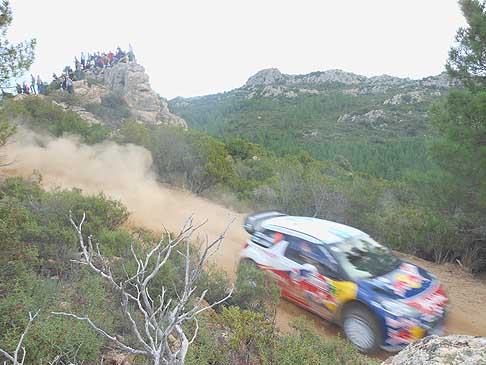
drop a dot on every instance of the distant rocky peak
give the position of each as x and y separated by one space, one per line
320 77
272 76
267 76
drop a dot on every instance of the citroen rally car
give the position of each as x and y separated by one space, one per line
343 275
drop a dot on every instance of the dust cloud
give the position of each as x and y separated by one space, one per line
122 172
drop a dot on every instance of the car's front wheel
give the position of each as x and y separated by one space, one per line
361 328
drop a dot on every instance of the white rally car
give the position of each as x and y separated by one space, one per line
343 275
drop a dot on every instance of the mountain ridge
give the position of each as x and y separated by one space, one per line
273 77
326 113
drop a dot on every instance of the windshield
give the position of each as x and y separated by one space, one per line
363 258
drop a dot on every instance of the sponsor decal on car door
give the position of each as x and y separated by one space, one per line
307 284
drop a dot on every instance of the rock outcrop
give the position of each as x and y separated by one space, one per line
131 83
447 350
270 83
269 76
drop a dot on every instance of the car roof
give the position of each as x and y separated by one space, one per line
320 230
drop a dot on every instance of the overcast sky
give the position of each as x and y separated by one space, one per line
198 47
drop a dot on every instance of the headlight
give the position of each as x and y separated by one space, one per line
399 309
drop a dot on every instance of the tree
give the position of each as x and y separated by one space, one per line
460 149
467 60
156 321
6 130
15 59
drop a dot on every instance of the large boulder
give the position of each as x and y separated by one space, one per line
130 81
447 350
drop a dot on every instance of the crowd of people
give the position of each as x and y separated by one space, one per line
36 86
103 60
95 62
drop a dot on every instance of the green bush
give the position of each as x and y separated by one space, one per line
113 109
41 115
255 290
245 337
305 346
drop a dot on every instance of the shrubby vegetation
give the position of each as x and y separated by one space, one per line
423 213
111 110
37 271
42 115
309 122
409 214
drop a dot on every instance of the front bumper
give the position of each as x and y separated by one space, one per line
401 331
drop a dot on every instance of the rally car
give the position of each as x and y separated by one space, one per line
343 275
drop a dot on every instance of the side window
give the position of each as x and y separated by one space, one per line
294 250
267 238
304 252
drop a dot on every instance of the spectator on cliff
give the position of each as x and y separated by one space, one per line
18 88
111 57
26 88
131 55
32 84
83 60
69 85
77 64
40 86
63 82
120 55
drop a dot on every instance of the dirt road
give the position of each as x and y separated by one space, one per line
124 173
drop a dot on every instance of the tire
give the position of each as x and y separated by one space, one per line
361 328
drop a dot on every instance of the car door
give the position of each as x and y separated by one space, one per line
291 269
316 283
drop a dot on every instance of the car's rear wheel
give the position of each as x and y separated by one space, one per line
361 328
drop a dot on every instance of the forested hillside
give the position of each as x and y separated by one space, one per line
378 124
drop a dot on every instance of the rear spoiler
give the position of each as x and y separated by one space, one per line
254 221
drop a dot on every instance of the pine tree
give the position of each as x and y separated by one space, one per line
460 119
15 59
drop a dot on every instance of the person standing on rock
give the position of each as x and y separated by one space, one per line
32 84
69 85
63 82
83 60
39 85
131 55
111 56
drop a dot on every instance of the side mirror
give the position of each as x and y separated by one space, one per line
309 267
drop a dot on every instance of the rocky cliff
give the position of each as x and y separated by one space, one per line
130 83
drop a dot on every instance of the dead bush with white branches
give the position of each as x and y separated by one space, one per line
156 321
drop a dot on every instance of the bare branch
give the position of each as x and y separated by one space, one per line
14 358
153 318
103 333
